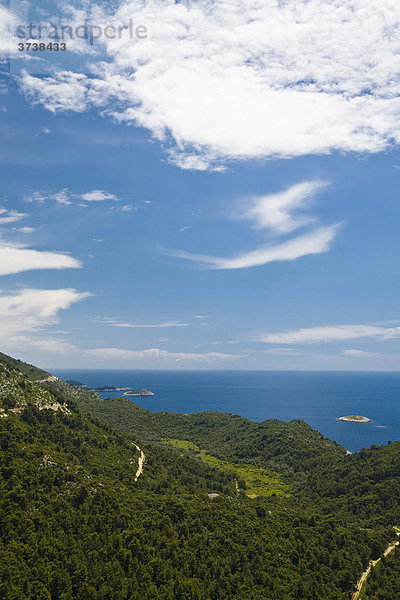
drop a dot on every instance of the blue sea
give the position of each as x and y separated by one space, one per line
317 397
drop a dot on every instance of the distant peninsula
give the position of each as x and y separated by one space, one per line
355 419
78 384
112 388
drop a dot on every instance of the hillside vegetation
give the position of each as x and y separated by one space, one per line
286 447
76 525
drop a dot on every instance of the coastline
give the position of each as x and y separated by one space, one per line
263 395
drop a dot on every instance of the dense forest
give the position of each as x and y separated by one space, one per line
224 508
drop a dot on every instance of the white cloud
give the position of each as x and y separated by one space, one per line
64 92
334 333
15 259
28 316
27 311
62 197
7 23
66 197
10 216
38 197
115 323
275 211
25 229
156 353
228 80
361 354
282 352
316 242
97 196
279 213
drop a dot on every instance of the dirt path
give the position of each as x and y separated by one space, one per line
141 460
49 378
372 564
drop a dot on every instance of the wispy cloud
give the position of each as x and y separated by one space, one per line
10 216
62 197
7 22
27 311
316 242
25 229
280 212
38 197
282 352
67 197
333 333
116 323
27 315
156 353
256 95
70 91
16 259
361 354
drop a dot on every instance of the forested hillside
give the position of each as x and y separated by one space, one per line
285 447
76 524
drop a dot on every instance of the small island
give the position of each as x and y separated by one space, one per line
355 419
142 392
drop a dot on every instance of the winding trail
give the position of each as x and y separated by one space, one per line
49 378
141 460
372 564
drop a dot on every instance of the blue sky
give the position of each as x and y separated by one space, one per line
139 241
